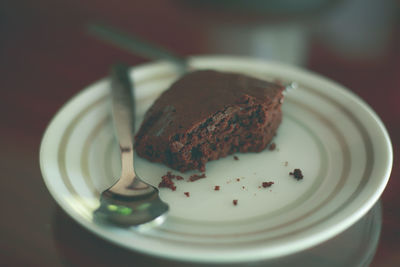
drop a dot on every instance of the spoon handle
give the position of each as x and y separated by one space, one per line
123 112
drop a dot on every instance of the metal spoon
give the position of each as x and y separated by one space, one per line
130 201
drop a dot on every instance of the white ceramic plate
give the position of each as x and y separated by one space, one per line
337 141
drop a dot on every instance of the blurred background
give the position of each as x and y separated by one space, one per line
46 57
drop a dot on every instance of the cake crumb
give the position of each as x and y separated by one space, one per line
178 177
272 147
196 177
170 175
166 181
235 202
187 194
286 163
238 179
297 174
267 184
216 188
235 157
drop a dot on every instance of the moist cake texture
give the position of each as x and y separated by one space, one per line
206 115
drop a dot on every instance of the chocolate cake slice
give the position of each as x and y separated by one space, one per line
206 115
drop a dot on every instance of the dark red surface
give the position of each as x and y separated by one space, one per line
46 58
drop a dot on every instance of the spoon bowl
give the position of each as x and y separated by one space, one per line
137 209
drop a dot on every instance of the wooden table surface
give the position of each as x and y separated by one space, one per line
46 57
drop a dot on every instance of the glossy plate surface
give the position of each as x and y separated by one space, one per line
337 141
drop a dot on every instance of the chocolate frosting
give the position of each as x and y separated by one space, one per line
200 94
